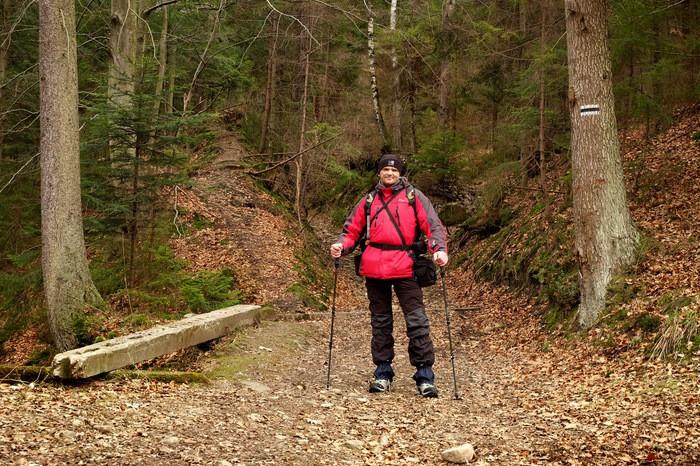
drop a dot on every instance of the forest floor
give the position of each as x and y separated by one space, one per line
527 396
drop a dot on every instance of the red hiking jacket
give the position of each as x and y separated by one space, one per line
392 263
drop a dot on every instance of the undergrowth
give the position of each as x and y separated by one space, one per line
530 251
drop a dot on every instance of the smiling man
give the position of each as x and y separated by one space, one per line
387 224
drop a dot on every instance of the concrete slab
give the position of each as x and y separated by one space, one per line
112 354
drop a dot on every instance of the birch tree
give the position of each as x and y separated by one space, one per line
374 88
396 74
448 9
269 86
606 238
67 283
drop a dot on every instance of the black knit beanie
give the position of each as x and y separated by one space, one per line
390 160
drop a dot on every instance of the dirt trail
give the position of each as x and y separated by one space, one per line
273 408
527 398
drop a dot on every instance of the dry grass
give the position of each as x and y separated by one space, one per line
679 333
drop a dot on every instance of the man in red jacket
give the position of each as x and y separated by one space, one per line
397 213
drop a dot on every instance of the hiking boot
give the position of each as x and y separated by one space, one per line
379 385
427 390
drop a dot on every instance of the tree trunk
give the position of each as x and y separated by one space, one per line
122 44
67 283
121 81
323 99
448 8
606 238
386 145
170 98
269 87
299 161
412 106
203 59
4 53
162 62
396 74
541 78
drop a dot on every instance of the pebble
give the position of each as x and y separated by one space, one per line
171 440
461 454
355 444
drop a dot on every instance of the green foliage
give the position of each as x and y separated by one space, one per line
207 291
648 323
302 293
438 162
621 290
490 214
137 320
343 188
83 328
230 73
672 302
520 255
20 295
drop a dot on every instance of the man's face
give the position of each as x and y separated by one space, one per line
389 176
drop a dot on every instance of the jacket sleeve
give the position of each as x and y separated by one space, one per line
430 224
354 227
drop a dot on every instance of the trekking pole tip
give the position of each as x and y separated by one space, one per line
336 262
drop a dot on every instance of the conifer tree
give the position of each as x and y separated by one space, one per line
67 283
606 238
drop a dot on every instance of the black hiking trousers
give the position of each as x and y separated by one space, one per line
410 295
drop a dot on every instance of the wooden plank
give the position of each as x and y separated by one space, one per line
148 344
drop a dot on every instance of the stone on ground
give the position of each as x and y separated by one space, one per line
461 454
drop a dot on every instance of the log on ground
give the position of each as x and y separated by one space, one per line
148 344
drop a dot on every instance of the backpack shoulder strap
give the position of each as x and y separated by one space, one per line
368 205
411 195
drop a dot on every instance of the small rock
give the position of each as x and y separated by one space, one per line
255 417
326 405
224 463
461 454
171 440
77 422
355 444
255 386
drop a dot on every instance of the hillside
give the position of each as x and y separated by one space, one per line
529 395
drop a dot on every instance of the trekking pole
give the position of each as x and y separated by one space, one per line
330 344
449 333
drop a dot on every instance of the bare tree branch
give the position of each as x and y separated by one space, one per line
147 12
12 178
279 164
295 19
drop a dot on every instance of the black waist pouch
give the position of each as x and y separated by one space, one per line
357 259
424 271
